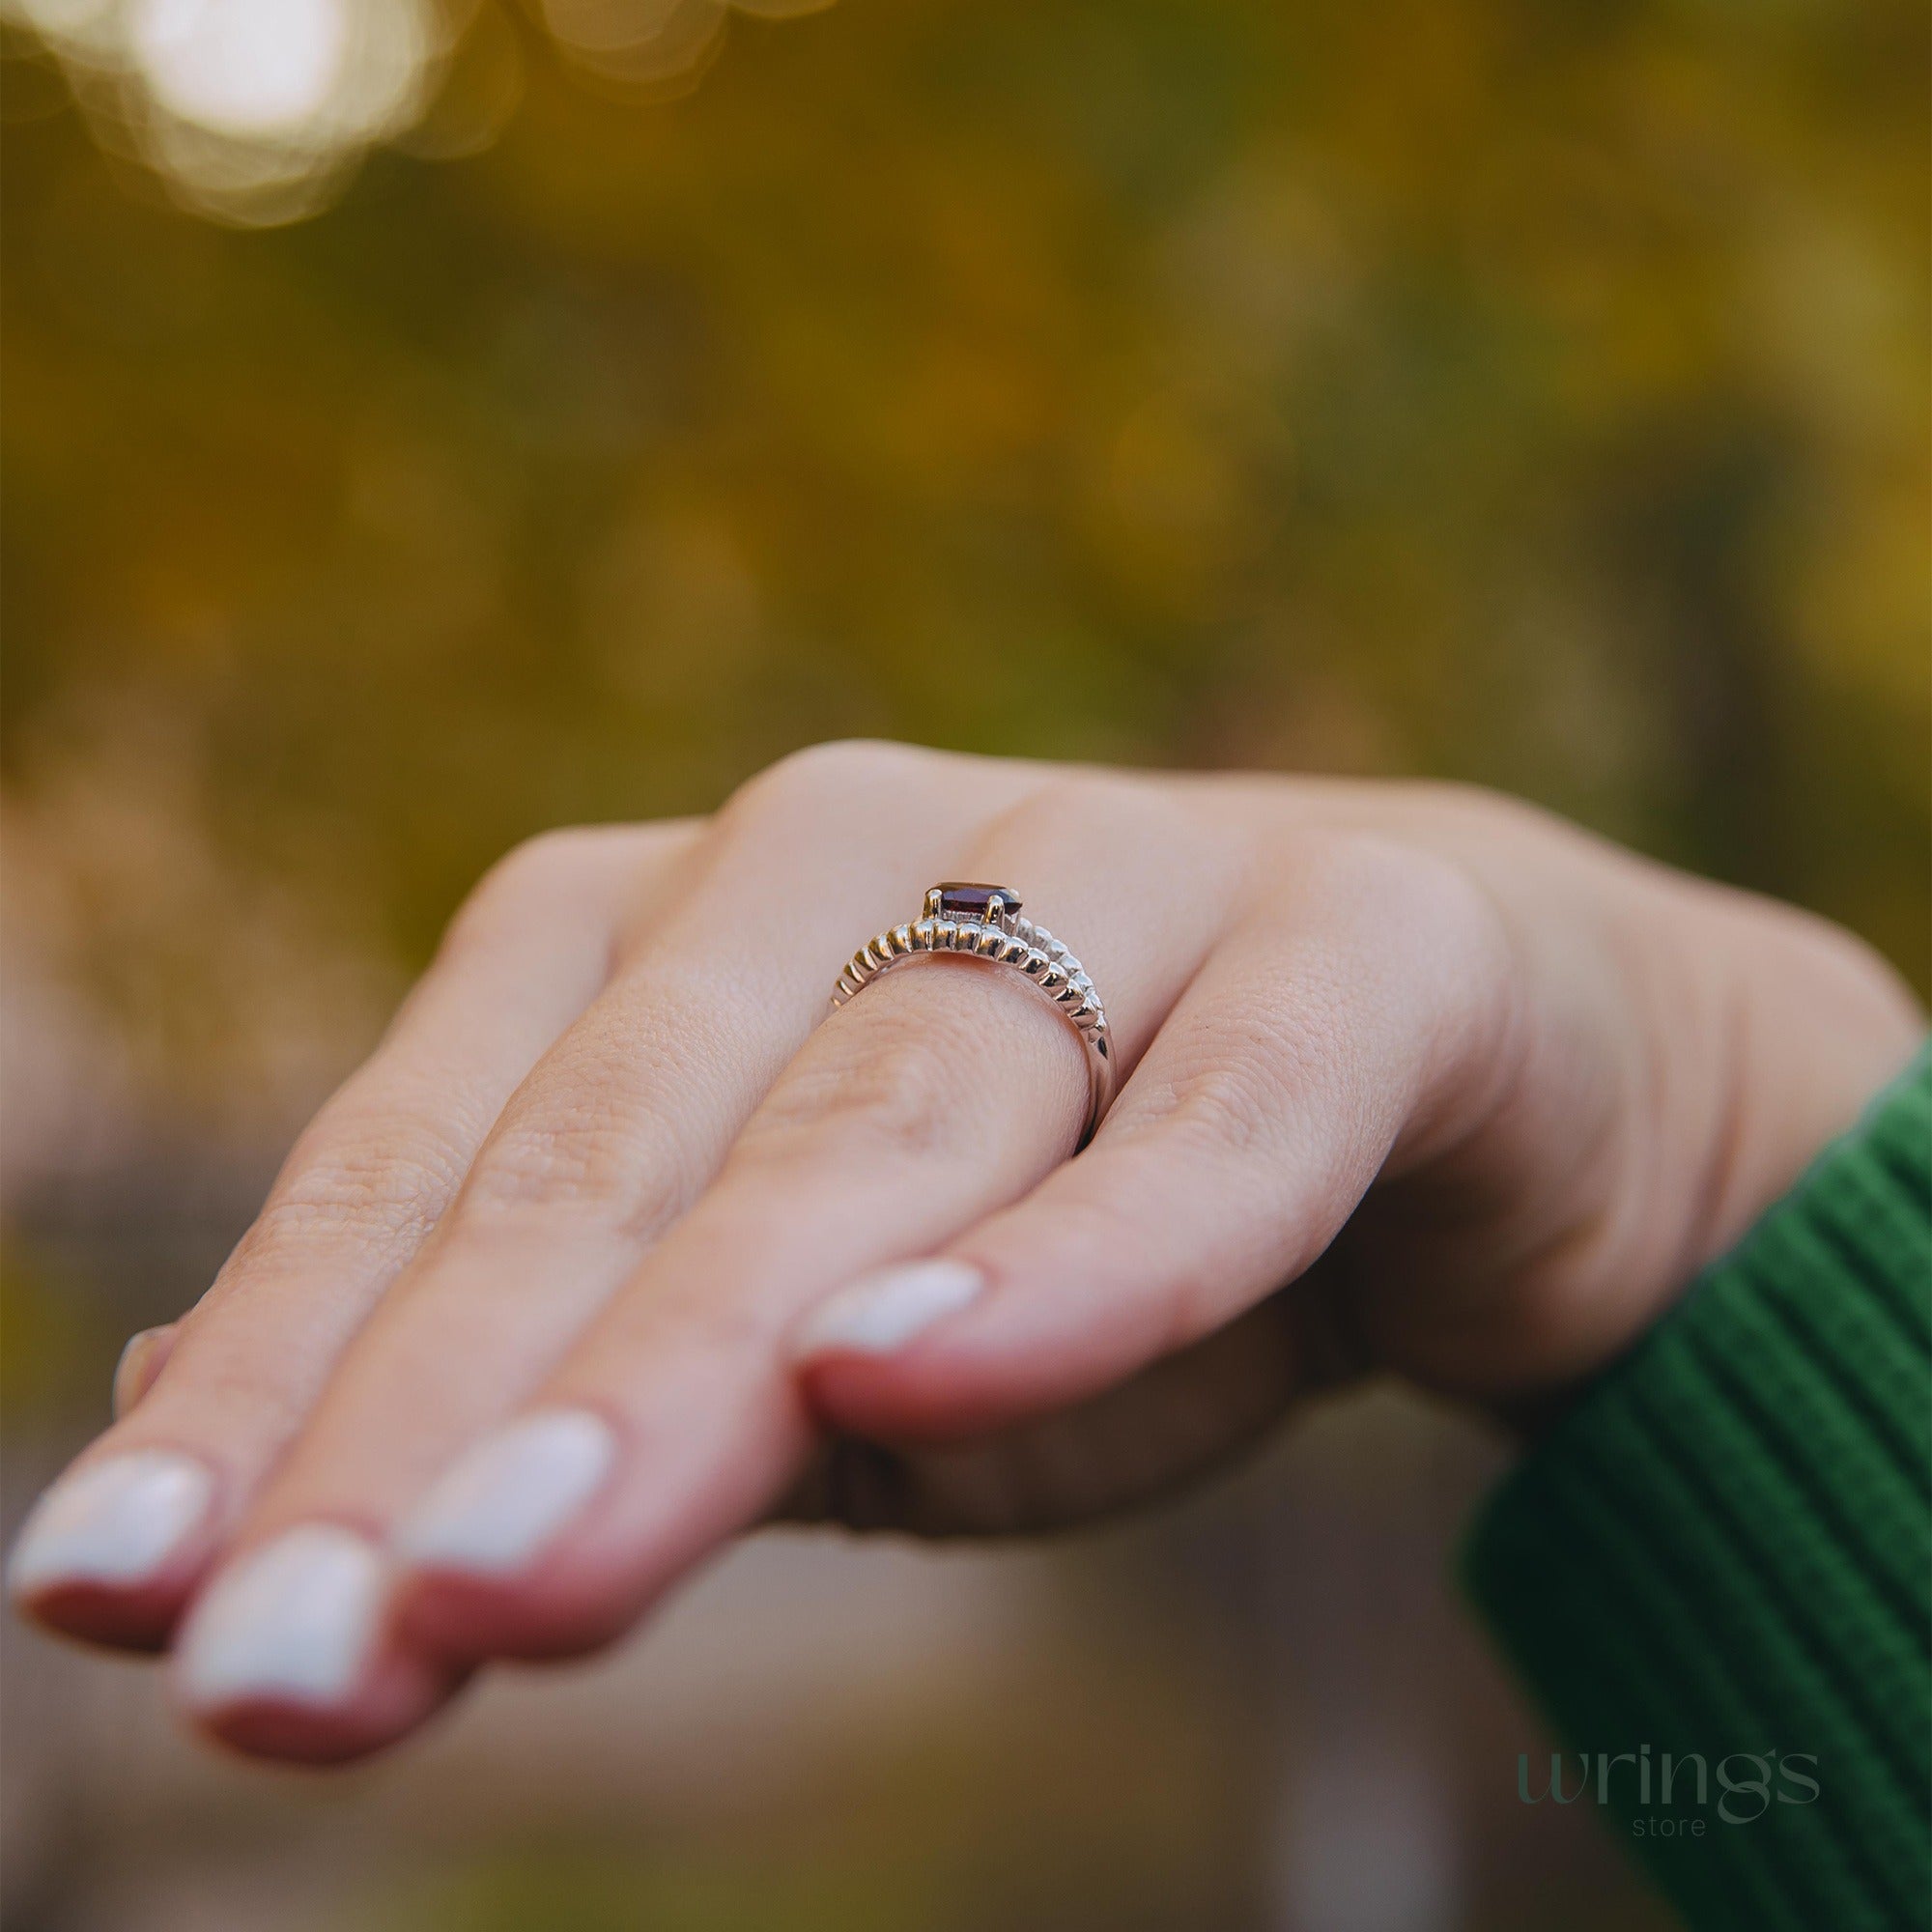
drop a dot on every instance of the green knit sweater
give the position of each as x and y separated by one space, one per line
1723 1557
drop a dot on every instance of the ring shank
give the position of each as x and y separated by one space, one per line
1016 943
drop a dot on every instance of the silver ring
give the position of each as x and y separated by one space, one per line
983 923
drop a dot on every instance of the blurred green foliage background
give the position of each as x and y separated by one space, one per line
1536 395
1531 395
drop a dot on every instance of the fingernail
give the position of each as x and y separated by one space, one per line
884 1310
500 1504
292 1621
115 1523
141 1362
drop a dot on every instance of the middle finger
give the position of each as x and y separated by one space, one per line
604 1145
947 1089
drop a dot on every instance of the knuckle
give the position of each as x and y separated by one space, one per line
1394 899
220 1385
554 868
533 862
370 1184
1058 800
1224 1103
525 873
602 1124
1075 811
816 773
896 1088
1474 807
596 1156
1373 867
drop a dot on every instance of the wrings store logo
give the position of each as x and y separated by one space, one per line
1668 1797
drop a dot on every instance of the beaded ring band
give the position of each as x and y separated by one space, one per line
983 923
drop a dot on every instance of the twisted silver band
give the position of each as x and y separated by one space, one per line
984 922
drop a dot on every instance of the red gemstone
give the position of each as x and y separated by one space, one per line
960 899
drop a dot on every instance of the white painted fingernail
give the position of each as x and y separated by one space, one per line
884 1310
113 1523
292 1622
498 1506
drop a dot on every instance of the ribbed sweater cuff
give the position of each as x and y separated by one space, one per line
1724 1552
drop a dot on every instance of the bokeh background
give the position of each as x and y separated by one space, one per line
428 424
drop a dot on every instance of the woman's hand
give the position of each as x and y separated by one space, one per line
621 1244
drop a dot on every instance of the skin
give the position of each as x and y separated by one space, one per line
1415 1079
